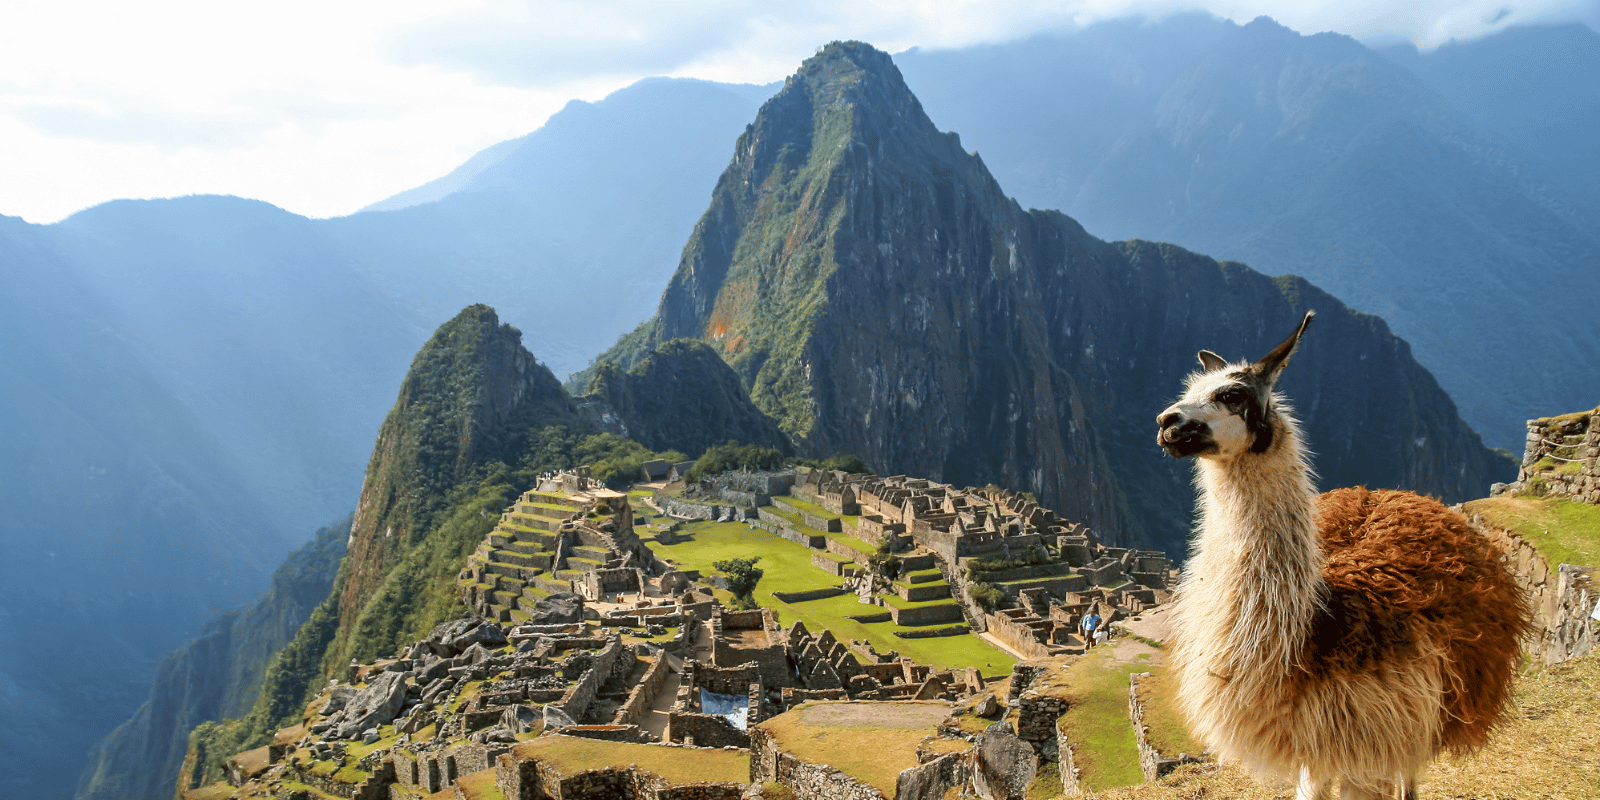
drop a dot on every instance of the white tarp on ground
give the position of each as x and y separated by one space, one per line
735 708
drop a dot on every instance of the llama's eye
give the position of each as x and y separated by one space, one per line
1231 397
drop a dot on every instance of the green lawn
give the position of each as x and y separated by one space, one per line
787 568
1564 531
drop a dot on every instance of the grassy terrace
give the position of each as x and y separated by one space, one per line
849 519
1566 532
788 568
869 741
569 755
1096 722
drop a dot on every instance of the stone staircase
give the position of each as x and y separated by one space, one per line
546 542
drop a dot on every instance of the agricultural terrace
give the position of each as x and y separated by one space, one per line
870 741
788 568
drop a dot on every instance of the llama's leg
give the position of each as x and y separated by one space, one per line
1311 788
1408 788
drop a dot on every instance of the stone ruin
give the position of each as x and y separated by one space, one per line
570 534
1561 459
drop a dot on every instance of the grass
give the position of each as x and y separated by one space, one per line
1564 531
1165 729
479 786
215 791
1047 783
1549 748
805 505
569 755
1096 722
788 568
872 742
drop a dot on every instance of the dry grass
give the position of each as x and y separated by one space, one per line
479 786
1548 750
869 741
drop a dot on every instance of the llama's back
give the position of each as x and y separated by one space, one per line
1407 575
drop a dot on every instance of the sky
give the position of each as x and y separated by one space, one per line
324 106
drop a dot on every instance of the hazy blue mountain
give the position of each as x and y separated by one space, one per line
574 228
1536 88
215 676
127 522
1315 156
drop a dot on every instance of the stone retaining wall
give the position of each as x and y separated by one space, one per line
770 764
1578 478
1151 760
704 730
810 594
1562 599
636 709
843 569
926 615
1017 635
577 701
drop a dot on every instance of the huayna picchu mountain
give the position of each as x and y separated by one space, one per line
877 292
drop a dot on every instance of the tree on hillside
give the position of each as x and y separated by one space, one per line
733 455
743 575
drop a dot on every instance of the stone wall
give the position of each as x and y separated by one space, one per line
810 594
636 709
1070 786
811 781
1151 760
926 615
1018 635
704 730
582 693
689 509
1562 599
1572 442
532 780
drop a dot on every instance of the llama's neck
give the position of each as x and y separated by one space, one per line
1258 560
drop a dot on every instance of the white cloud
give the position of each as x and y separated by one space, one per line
322 106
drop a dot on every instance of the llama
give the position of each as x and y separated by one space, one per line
1352 636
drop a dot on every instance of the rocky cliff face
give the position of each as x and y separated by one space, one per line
877 293
682 397
212 677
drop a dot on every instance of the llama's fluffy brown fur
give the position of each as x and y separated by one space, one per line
1406 574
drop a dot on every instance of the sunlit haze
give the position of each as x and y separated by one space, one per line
323 107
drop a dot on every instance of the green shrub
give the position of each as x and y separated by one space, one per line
986 595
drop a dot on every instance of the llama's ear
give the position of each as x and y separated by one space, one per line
1211 361
1273 363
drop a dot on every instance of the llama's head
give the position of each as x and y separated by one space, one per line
1227 409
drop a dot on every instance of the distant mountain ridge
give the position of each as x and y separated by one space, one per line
878 294
1436 202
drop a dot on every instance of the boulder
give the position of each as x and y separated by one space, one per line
487 634
1003 765
987 705
562 607
375 705
522 719
439 641
338 698
555 717
474 654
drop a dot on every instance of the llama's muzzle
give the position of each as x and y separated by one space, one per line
1181 435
